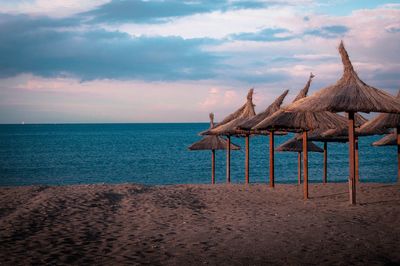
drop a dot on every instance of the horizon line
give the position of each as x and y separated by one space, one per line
100 123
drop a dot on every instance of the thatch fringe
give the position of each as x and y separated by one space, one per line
303 93
301 121
294 145
228 126
381 122
241 111
212 143
388 140
211 120
317 135
359 120
349 94
339 134
272 108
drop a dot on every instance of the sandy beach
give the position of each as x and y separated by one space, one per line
199 225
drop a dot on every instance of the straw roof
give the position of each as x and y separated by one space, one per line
272 108
360 123
295 145
317 135
349 94
334 135
379 123
303 93
212 142
228 126
388 140
301 121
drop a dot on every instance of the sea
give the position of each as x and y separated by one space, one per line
157 154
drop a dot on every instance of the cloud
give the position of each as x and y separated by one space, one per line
35 99
333 31
139 11
268 34
144 11
28 45
51 8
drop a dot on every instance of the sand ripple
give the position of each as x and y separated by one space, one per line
199 224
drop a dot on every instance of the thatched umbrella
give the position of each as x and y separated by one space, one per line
272 108
301 122
388 140
336 135
228 128
212 143
250 125
246 126
350 94
380 124
295 145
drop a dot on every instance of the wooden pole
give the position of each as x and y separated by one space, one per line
356 159
228 159
247 166
325 180
352 162
398 153
271 159
213 167
305 164
299 168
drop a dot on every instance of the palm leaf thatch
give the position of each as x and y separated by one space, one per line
388 140
212 142
339 134
229 125
379 124
272 108
317 135
344 133
359 124
349 94
301 121
303 93
295 145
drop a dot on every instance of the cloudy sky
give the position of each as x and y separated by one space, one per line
175 61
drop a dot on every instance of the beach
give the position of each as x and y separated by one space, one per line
199 225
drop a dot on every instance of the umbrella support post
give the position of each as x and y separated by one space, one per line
299 168
398 153
305 164
325 180
212 166
247 163
271 160
356 159
228 159
352 162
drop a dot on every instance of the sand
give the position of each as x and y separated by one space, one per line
199 225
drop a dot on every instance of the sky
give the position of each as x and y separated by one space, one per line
114 61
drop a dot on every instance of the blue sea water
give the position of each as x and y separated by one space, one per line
157 154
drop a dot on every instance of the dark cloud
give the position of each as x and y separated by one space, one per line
265 35
138 11
333 31
262 78
144 11
29 45
393 29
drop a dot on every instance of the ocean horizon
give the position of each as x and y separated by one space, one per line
157 154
